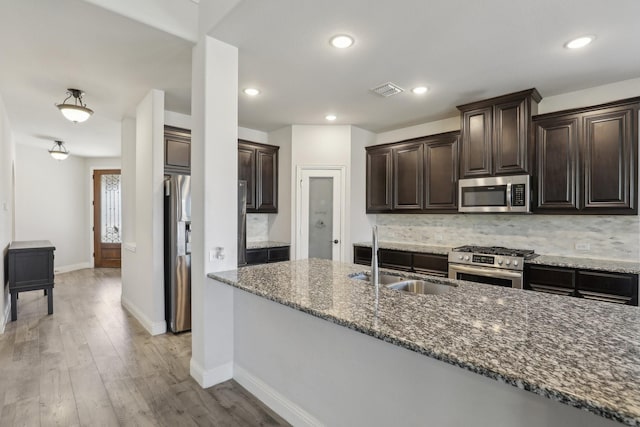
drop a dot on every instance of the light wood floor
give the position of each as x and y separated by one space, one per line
92 364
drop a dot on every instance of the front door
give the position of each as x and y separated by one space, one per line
107 218
320 230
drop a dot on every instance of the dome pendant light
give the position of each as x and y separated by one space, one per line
78 112
59 151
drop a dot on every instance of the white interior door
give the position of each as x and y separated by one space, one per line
320 208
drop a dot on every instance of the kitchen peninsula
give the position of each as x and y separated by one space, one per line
294 346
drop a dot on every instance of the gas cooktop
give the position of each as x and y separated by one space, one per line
497 250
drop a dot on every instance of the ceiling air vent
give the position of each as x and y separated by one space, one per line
387 89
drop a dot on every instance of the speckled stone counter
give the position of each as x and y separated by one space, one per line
266 244
615 266
582 353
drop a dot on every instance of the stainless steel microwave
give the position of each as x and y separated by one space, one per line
495 194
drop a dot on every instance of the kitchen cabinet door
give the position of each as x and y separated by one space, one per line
408 176
557 165
379 180
246 172
610 159
551 280
609 287
258 165
177 150
396 260
267 179
477 134
511 139
362 255
441 173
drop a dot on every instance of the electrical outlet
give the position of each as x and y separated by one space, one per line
582 246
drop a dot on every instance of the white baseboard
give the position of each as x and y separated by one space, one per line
72 267
211 377
288 410
5 317
154 328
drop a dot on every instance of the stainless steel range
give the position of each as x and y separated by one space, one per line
492 265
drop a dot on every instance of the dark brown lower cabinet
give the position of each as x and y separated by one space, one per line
416 262
266 255
620 288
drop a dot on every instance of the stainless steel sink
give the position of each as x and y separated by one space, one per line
384 279
421 287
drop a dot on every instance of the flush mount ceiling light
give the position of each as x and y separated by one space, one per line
78 111
341 41
251 91
59 151
420 90
331 117
579 42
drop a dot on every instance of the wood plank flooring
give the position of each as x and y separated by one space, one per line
92 364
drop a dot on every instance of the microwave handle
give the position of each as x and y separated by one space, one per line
509 195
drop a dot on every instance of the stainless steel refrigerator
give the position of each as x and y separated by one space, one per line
177 252
242 223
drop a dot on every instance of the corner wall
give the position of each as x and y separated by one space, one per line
7 206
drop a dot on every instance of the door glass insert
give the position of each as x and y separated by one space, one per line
110 215
321 217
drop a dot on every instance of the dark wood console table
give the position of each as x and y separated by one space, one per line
30 266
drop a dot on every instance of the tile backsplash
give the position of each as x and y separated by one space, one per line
257 228
585 236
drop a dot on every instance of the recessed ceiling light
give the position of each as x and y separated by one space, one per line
330 117
341 41
579 42
251 91
419 90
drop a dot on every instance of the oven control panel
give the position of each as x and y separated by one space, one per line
494 261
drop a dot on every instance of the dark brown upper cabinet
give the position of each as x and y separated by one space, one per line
417 175
258 165
379 179
408 176
177 150
586 159
496 135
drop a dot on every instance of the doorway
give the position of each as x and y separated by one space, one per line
107 218
320 223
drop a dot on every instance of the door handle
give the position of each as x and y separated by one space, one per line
336 241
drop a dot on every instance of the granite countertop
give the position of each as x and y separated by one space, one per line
266 244
582 353
616 266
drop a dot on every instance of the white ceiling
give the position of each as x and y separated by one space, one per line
462 50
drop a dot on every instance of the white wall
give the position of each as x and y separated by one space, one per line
143 270
129 270
214 177
431 128
51 200
7 207
280 223
178 120
360 223
591 96
320 146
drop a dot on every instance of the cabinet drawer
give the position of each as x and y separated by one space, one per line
278 254
257 256
549 279
362 255
437 265
395 259
621 288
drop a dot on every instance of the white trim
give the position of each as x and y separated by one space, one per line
211 377
154 328
72 267
284 407
7 313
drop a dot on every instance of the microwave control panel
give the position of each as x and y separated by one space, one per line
518 197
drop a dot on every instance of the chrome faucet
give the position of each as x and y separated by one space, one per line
374 259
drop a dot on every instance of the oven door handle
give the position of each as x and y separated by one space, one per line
492 273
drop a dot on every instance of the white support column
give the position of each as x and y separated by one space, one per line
214 177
